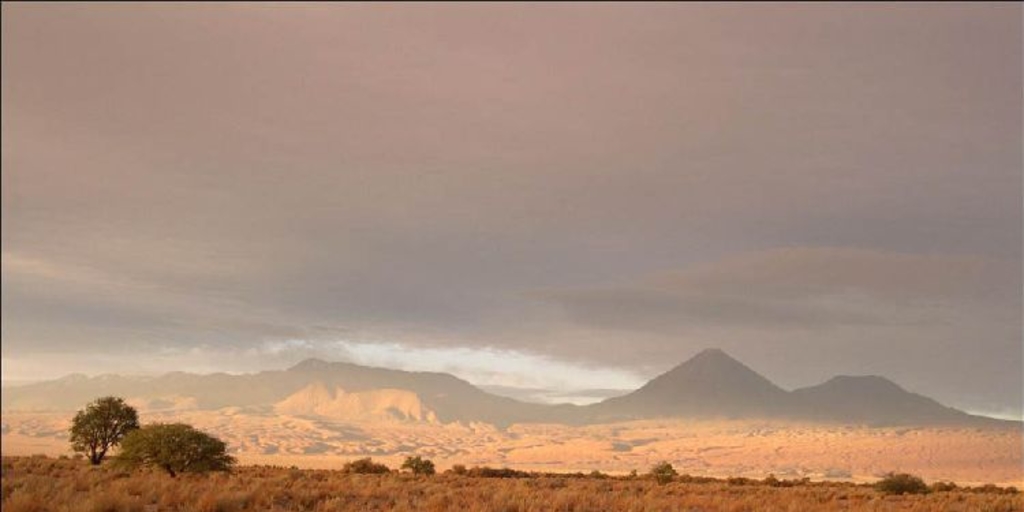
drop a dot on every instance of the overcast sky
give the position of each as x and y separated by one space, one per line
540 196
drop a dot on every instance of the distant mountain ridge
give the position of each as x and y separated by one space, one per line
854 394
711 384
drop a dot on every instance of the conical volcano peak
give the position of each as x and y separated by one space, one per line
711 361
311 364
712 356
712 352
712 372
710 383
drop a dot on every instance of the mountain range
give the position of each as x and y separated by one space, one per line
710 385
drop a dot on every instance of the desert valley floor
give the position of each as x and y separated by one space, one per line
720 448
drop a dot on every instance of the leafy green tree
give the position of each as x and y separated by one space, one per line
175 448
419 465
102 425
663 472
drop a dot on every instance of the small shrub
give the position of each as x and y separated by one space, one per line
901 483
418 465
488 472
739 480
663 472
943 487
797 482
459 469
993 489
365 466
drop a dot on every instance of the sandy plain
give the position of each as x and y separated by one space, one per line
724 448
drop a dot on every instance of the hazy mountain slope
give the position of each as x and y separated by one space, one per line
873 400
209 391
710 385
714 385
450 398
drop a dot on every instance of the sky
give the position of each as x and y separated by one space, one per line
570 198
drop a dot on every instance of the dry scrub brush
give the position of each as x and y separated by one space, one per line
42 484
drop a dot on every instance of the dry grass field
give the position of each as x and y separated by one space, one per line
35 484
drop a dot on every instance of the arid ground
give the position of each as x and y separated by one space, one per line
44 484
751 449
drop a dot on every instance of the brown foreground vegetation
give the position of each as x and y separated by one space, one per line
32 484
